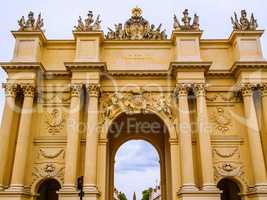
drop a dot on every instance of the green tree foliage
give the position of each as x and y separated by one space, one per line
145 195
122 196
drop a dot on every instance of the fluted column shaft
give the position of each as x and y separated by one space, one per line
73 139
256 151
188 181
23 140
90 174
204 139
6 129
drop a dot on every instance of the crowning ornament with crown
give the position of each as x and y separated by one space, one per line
136 28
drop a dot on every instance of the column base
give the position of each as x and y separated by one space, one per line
91 192
188 189
259 192
200 195
14 195
68 193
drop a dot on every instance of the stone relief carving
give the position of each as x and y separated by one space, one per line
89 24
55 98
243 24
222 97
55 121
222 120
229 169
31 24
187 25
48 170
136 101
50 154
136 28
227 152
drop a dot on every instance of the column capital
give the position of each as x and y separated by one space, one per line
93 89
247 88
28 89
182 89
263 88
75 89
200 89
10 89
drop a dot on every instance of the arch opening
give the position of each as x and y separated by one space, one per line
145 128
230 189
48 189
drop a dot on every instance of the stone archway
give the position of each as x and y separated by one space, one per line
230 189
48 189
148 127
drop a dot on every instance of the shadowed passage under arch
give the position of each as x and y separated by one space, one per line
48 190
230 190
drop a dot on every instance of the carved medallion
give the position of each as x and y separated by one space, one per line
55 121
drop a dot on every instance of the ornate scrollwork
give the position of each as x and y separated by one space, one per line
229 169
28 89
182 89
89 23
10 89
136 101
31 24
75 89
200 89
55 121
263 88
187 26
48 170
136 28
247 89
222 120
93 89
243 24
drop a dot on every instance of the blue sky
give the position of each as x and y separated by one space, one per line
61 15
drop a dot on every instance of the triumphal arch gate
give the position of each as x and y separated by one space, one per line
70 104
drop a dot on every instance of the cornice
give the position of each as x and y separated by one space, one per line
190 66
21 34
234 34
22 66
57 74
249 66
86 66
139 73
99 34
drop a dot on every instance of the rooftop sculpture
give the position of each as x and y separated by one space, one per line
31 24
243 24
186 20
136 28
89 23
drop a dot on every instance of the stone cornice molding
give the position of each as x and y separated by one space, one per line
86 66
190 66
249 66
99 34
22 66
235 33
186 33
139 73
30 34
57 74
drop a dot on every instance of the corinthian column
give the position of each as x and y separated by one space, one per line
256 151
204 139
90 174
7 124
73 139
188 181
23 140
